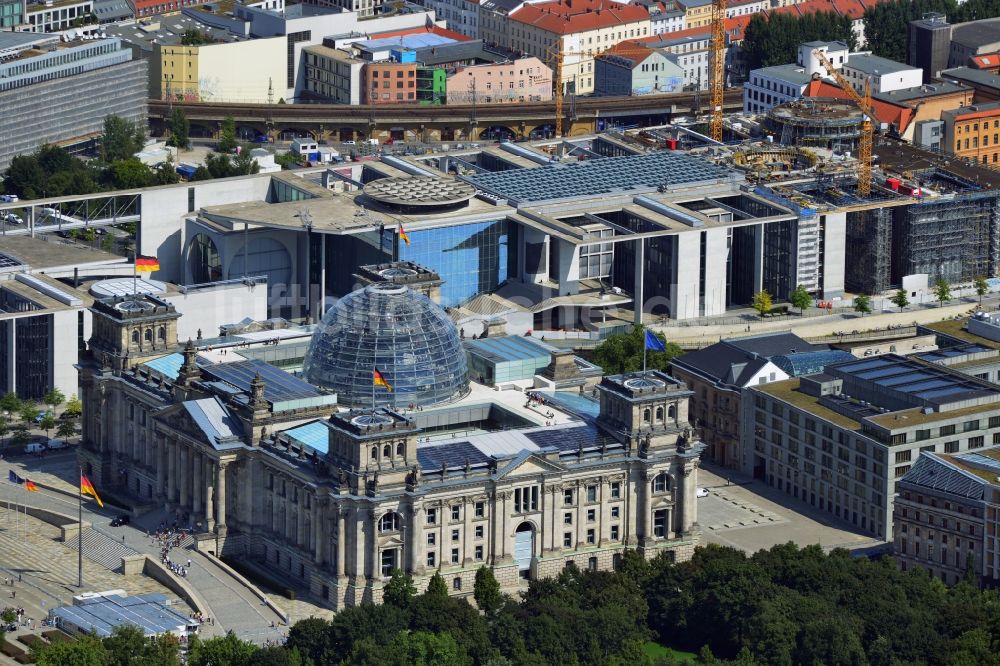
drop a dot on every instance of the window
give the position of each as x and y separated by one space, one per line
923 434
661 483
479 553
660 523
903 456
389 559
454 535
431 559
432 516
591 493
969 426
614 533
454 555
567 518
951 447
616 511
480 509
389 523
431 538
526 499
616 489
591 537
456 584
456 512
568 497
976 442
479 531
399 449
567 539
591 515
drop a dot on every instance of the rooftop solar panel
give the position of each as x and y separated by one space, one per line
570 439
853 369
930 384
907 378
979 459
278 384
943 392
315 435
453 455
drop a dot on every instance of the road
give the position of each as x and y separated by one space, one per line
232 605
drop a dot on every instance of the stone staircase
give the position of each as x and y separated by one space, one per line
102 549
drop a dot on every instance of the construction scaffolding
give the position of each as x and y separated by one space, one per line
869 246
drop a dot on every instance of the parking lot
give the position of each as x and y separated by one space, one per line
745 514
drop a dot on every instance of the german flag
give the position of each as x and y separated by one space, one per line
403 236
30 486
380 380
87 488
146 264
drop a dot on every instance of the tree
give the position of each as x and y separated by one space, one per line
942 291
180 129
25 177
131 174
47 423
53 398
66 429
84 650
10 403
29 411
900 300
762 302
486 591
225 650
982 288
21 436
311 638
862 304
399 591
127 645
227 135
4 427
121 140
800 298
436 587
622 352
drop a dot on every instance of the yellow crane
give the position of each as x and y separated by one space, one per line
867 125
717 75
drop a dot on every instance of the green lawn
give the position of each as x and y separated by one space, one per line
655 650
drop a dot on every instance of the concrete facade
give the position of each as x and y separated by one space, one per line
521 80
333 74
248 71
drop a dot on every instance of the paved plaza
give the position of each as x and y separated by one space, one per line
743 513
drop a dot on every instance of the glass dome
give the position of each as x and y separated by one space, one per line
404 334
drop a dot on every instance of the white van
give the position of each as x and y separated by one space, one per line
57 444
35 447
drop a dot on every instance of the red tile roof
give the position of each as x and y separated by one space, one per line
566 17
432 30
886 112
988 61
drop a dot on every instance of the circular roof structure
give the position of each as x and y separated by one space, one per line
406 336
126 287
643 383
419 192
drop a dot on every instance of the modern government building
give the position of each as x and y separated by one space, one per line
330 481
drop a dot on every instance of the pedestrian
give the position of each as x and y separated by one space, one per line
18 578
189 563
13 594
123 538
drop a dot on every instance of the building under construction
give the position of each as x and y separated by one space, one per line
816 121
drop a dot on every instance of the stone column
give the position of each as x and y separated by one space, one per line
161 465
207 472
198 483
317 535
184 473
171 472
374 569
220 504
645 520
468 509
688 500
632 506
341 538
505 509
545 538
418 542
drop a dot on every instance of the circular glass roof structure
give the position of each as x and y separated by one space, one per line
419 192
404 334
127 286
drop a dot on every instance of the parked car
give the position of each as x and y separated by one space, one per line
14 219
8 198
35 447
118 521
41 416
57 444
701 492
349 143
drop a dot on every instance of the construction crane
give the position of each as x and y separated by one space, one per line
557 58
717 75
867 126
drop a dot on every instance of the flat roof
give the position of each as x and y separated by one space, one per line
928 384
980 77
147 611
790 73
977 34
50 251
922 92
873 64
609 175
788 391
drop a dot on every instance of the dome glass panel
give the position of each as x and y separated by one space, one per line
404 334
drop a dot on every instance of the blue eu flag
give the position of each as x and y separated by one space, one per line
653 343
14 478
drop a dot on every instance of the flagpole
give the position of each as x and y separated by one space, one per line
374 370
135 283
79 532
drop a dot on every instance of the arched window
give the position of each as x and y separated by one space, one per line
161 334
374 453
661 483
148 335
646 415
456 584
387 451
672 411
135 337
399 449
659 414
389 523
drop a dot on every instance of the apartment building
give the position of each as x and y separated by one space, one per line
973 132
333 74
697 13
842 439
